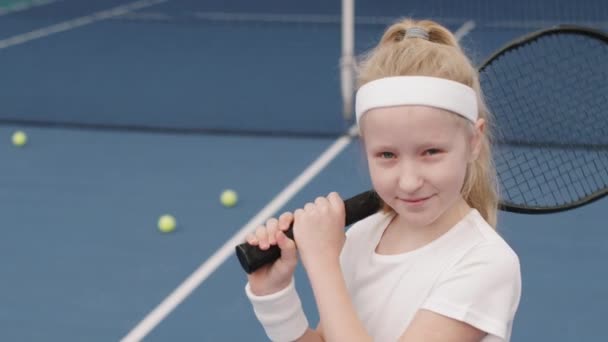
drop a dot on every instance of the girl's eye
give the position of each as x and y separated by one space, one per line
432 151
387 155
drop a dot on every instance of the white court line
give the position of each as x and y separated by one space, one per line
280 18
321 19
22 6
78 22
290 18
464 29
143 328
220 256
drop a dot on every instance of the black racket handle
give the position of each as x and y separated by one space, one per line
356 208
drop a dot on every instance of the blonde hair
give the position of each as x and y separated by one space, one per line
439 56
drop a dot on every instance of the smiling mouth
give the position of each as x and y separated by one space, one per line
414 200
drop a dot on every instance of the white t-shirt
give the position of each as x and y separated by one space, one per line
469 274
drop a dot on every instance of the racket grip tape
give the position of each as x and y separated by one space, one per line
356 208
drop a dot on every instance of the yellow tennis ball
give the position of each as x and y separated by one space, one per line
229 198
166 223
19 138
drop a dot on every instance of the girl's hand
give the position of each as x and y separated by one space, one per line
319 230
276 276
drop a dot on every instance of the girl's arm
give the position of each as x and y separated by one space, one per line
338 316
319 234
311 336
429 326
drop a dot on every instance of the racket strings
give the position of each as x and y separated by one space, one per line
543 179
549 99
559 82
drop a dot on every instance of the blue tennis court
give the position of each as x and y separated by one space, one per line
135 109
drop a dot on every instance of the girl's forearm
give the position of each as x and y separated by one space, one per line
336 310
311 336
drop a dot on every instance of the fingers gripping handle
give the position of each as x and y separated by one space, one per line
356 208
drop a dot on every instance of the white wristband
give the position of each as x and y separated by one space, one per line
280 313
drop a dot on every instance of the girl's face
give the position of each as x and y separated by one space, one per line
417 158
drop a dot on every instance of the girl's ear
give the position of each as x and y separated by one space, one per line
476 139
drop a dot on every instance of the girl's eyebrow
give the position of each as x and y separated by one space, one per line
383 147
434 142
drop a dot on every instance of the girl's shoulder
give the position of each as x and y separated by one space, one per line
483 242
363 236
369 226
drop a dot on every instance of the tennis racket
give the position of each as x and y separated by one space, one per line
548 93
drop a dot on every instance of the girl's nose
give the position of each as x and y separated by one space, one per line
410 179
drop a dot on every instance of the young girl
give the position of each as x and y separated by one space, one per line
430 266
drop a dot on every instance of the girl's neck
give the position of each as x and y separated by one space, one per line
401 237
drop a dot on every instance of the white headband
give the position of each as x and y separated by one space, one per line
417 90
